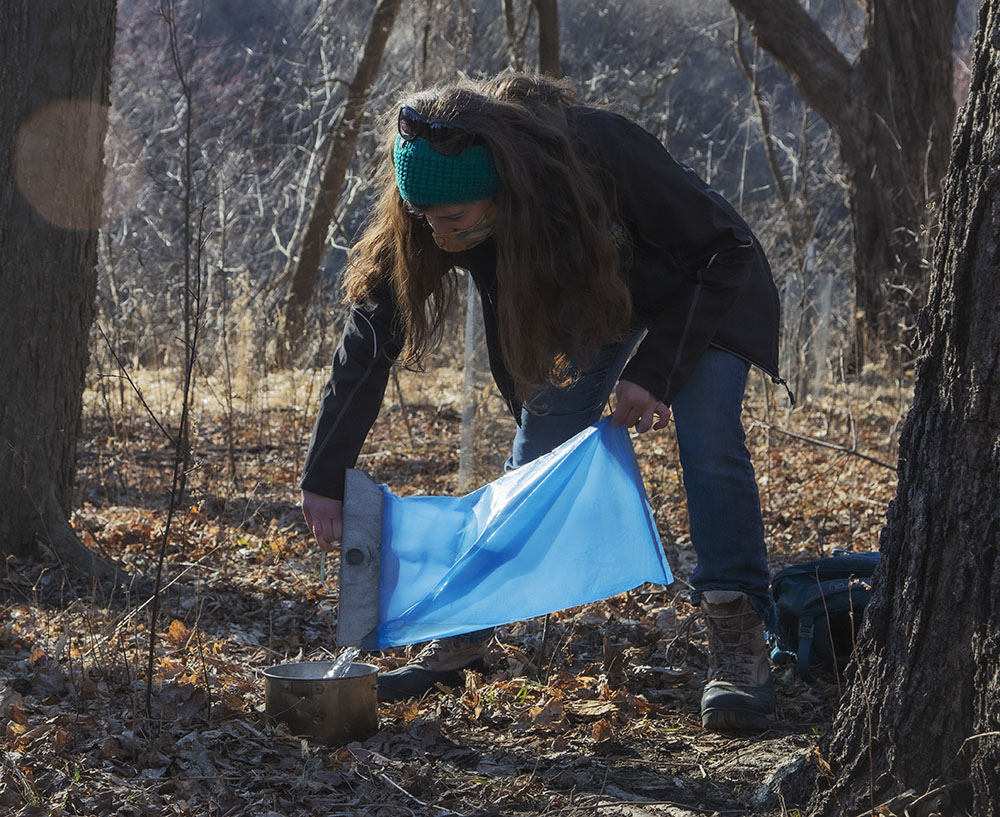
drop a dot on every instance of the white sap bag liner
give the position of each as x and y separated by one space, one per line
569 528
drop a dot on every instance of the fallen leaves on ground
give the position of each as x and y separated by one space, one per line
593 711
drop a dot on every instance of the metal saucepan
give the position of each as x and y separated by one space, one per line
330 710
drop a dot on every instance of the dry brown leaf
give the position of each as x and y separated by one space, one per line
473 681
232 702
602 731
15 730
642 706
31 735
550 712
178 633
410 711
816 758
568 681
109 747
17 713
9 700
592 710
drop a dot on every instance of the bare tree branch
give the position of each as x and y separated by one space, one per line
816 66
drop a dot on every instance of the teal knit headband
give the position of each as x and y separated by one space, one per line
429 178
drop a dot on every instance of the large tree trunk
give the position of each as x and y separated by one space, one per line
54 77
903 111
923 710
303 267
515 42
892 111
548 37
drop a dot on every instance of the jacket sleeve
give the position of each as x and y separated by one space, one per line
353 396
692 253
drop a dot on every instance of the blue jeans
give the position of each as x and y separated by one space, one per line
723 503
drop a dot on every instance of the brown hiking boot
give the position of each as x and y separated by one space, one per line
440 662
739 695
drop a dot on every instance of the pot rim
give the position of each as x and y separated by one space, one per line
279 672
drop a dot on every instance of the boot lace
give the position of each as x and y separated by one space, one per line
432 650
730 642
443 654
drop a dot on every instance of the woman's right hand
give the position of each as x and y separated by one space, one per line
325 518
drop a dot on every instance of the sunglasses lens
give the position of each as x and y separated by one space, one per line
447 139
410 124
443 137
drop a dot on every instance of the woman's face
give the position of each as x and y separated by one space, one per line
449 218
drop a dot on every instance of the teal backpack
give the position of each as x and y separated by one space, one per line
818 608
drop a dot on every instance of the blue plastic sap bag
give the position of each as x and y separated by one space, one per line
571 527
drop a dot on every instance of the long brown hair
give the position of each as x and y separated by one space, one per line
562 293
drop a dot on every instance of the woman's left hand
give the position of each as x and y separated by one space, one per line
634 406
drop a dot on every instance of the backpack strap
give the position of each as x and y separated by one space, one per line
806 633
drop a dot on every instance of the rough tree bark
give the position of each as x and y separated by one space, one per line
55 65
922 712
303 266
892 110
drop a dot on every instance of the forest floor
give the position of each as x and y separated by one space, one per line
594 712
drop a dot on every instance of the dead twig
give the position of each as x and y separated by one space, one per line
395 785
843 449
671 803
911 804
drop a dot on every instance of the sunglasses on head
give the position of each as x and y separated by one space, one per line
443 136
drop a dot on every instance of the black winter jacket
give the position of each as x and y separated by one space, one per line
698 278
